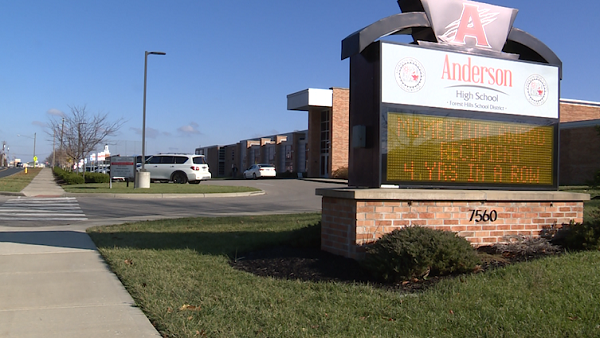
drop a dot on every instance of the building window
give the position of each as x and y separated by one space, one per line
270 154
325 131
325 143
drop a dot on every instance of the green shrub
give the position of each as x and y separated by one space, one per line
593 214
581 236
60 173
73 178
418 252
97 178
68 177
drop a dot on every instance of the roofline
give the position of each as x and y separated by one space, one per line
581 102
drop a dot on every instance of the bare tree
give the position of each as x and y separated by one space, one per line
80 133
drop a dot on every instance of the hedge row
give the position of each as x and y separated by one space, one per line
70 178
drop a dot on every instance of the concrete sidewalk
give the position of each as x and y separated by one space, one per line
43 185
54 283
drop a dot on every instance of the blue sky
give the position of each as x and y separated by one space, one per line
229 64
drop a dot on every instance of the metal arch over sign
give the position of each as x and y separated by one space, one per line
470 23
429 24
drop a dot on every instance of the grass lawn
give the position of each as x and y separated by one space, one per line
178 272
155 188
18 182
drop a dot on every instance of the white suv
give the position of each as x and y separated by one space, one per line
179 168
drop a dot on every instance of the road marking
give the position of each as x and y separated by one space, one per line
42 209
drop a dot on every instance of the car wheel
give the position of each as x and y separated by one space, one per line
180 178
254 175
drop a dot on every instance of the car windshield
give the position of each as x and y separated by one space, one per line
266 166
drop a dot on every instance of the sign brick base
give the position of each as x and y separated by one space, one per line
352 218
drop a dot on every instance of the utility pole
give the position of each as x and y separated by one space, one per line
4 161
53 149
34 137
62 131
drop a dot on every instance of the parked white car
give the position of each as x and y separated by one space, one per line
260 170
178 168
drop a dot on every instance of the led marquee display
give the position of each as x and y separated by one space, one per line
441 150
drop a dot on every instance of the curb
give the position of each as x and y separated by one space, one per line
325 180
170 196
8 193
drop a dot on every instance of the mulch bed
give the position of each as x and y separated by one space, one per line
312 264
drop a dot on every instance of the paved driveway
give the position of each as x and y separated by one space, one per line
281 196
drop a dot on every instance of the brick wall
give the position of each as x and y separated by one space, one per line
340 119
571 111
348 224
338 226
211 156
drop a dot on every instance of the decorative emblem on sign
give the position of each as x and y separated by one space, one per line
470 24
410 75
536 90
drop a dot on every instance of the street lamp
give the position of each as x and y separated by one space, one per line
143 178
34 137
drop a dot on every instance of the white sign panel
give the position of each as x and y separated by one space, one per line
122 166
434 78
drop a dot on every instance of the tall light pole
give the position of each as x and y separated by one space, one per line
143 179
144 118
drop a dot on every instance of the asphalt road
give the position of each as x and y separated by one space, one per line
281 196
7 171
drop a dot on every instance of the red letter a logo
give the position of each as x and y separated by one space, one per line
470 25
